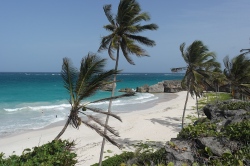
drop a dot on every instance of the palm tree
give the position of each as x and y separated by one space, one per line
217 79
198 59
83 84
124 27
237 71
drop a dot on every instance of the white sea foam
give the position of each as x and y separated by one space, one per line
137 99
39 115
39 108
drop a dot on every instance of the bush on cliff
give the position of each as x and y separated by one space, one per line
56 153
237 133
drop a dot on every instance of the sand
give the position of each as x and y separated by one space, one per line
157 124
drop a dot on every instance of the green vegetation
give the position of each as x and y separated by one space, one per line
204 129
55 153
198 60
125 27
238 131
212 98
81 85
117 159
237 73
146 154
235 105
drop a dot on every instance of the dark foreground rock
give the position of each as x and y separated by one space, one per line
202 149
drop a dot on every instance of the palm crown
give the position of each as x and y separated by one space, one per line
200 63
123 28
237 72
83 84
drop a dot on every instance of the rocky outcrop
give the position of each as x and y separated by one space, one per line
107 87
172 86
181 151
157 88
127 90
167 86
142 89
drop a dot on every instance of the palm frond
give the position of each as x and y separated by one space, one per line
109 27
106 40
115 97
125 53
98 121
142 16
98 110
92 76
111 52
127 10
107 11
69 75
177 69
133 29
101 133
142 40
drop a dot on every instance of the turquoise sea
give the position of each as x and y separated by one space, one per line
36 100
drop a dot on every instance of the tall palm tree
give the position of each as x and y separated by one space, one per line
124 27
83 84
237 71
198 59
217 79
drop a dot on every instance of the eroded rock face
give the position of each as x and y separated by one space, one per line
225 117
217 146
179 152
142 89
127 90
107 87
157 88
172 86
167 86
186 151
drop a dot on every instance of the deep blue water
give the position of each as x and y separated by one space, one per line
33 100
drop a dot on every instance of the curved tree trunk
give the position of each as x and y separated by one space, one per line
216 92
109 108
197 107
183 116
63 130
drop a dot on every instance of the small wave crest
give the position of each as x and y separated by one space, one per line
137 99
37 108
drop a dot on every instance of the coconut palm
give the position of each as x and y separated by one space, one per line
198 59
237 71
81 85
124 27
217 79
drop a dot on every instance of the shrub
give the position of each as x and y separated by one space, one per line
55 153
199 130
234 105
117 159
238 131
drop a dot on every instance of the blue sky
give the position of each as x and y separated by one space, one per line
36 35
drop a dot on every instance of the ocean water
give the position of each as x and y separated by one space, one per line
35 100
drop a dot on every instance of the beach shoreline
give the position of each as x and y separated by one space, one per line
158 123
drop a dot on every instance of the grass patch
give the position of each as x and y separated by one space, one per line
212 97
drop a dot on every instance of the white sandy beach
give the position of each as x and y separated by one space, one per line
159 123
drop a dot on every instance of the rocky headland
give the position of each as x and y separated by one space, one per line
167 86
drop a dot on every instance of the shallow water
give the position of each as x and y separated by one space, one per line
36 100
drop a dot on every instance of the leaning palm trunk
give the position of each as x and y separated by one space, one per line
183 116
64 128
216 93
197 106
109 108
